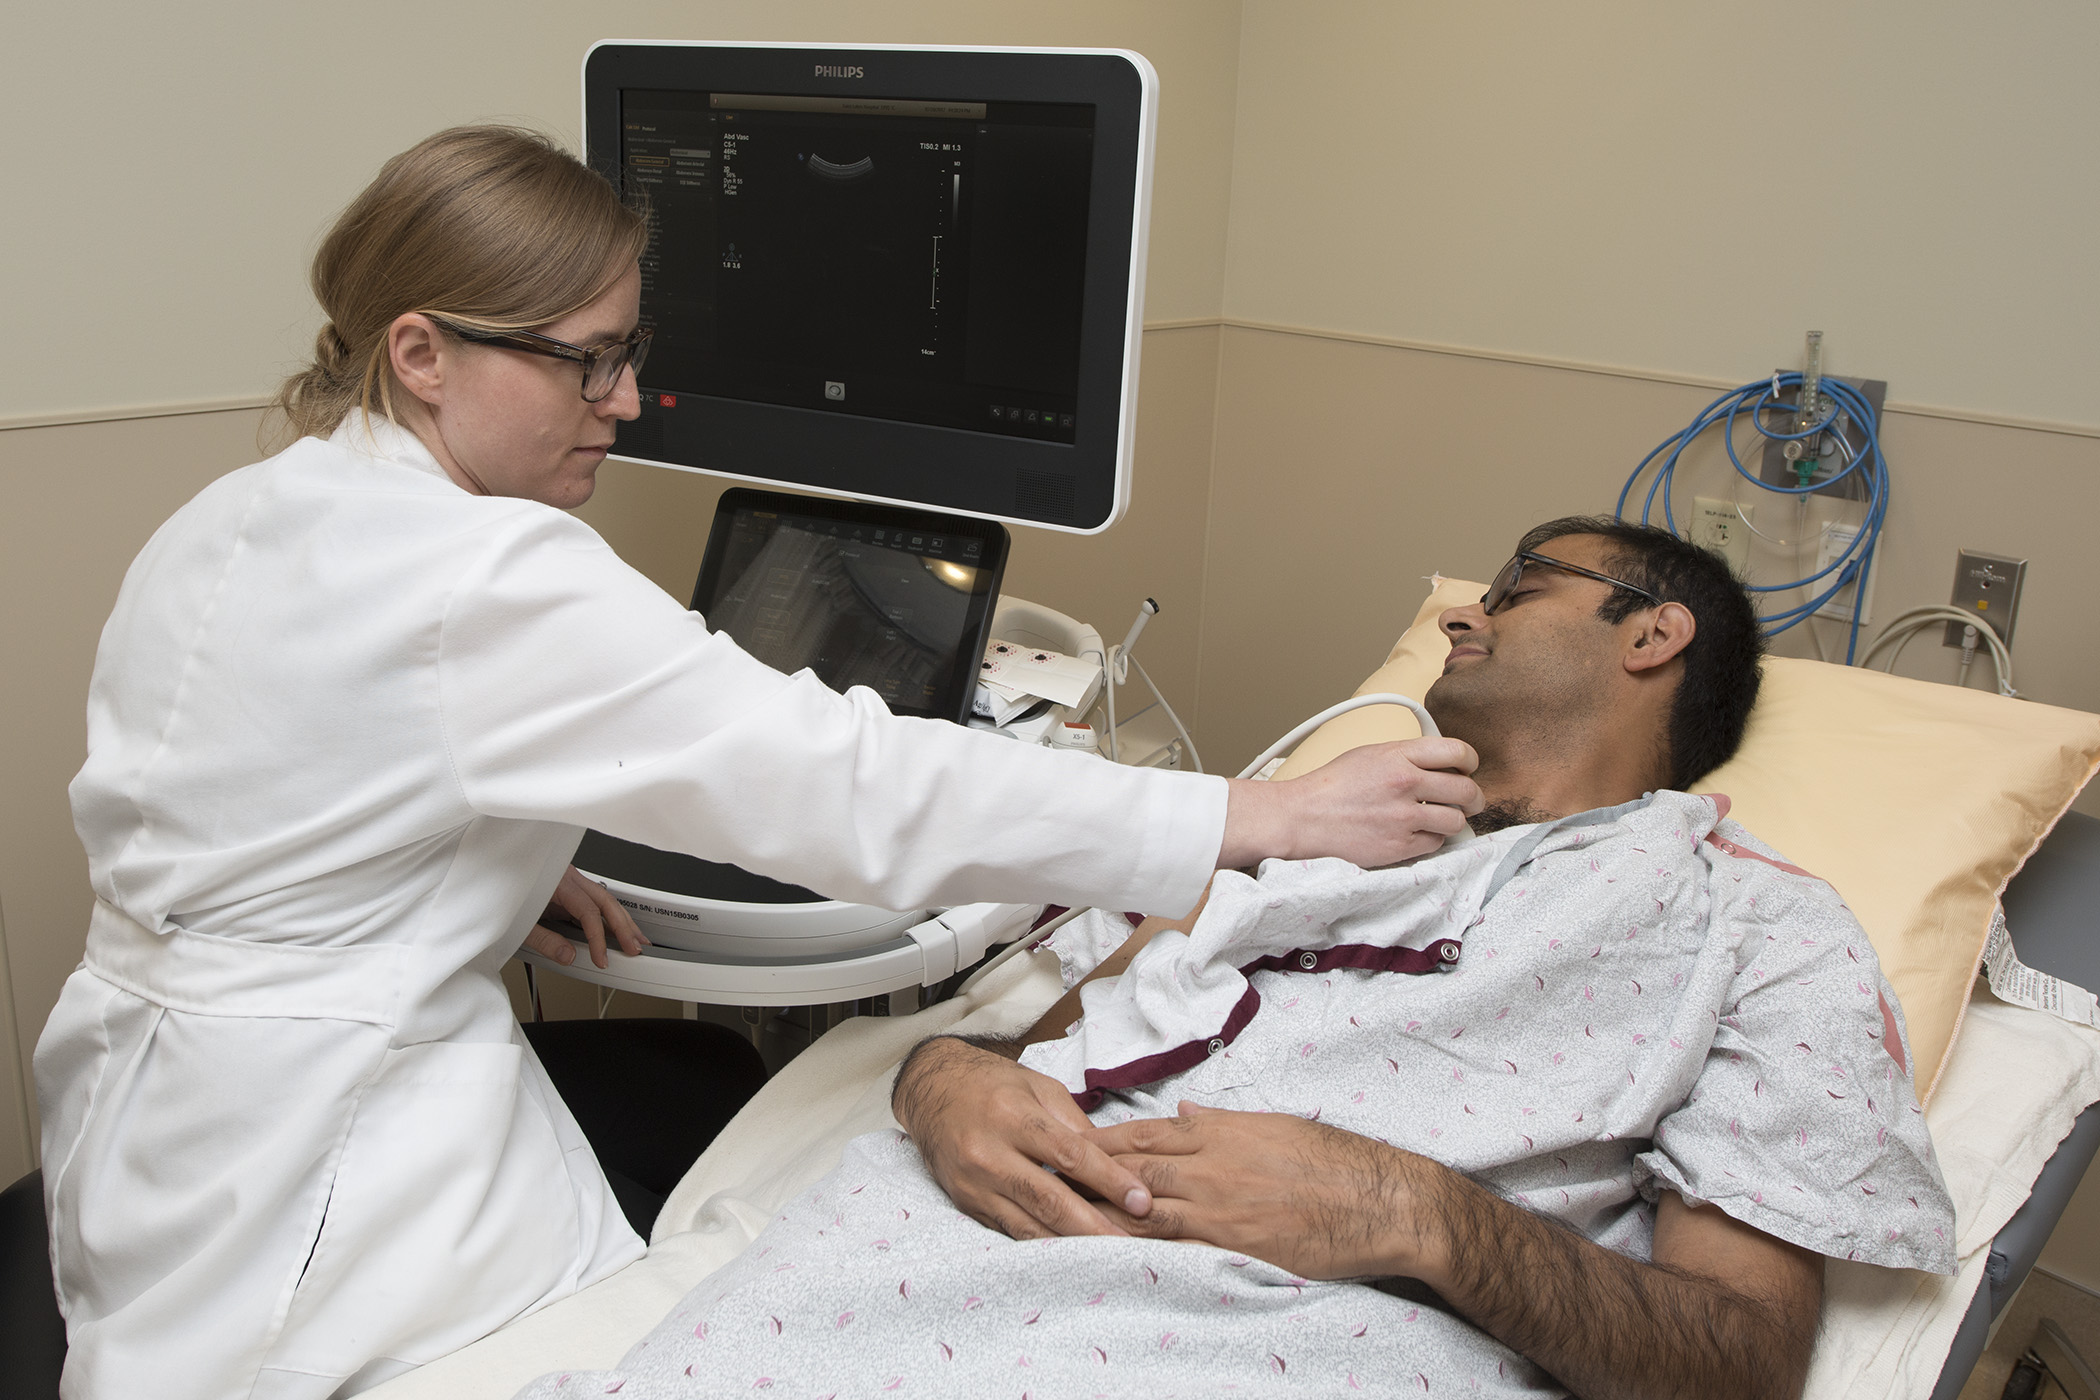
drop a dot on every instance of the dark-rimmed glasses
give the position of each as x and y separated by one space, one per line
601 364
1506 582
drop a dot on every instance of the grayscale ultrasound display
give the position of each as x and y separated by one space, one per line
920 261
858 602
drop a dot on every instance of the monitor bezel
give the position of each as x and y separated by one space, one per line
953 470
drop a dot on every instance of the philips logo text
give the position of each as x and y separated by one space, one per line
827 70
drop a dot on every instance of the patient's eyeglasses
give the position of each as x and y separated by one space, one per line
601 363
1506 582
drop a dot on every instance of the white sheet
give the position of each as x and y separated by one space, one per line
2016 1082
2009 1094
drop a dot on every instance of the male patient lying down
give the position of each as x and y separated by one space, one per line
1577 1106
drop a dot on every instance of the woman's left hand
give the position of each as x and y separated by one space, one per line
593 907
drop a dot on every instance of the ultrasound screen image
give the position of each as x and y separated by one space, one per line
855 603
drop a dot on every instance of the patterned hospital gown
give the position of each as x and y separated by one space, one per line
1578 1013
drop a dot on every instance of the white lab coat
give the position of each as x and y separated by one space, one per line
346 726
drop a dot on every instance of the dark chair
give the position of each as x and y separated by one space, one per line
32 1334
649 1093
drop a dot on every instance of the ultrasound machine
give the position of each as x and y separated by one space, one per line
905 284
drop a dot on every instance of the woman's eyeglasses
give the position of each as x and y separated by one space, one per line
1506 582
601 364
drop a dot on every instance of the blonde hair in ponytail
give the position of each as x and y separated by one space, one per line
492 227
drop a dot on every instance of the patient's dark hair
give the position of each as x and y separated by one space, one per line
1721 665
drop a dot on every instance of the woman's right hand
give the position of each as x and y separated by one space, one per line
1006 1143
1374 806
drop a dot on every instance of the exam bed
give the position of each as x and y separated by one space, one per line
2055 904
2013 1106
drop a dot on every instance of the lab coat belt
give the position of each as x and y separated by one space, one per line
210 976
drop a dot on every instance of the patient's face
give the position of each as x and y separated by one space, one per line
1544 658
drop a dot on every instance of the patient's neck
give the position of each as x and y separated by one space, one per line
1510 811
1541 776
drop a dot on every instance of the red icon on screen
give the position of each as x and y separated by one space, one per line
667 400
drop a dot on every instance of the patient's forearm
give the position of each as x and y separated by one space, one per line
1725 1311
923 1065
1607 1326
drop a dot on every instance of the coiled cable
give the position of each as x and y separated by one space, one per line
1907 625
1855 562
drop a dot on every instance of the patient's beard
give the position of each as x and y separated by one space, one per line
1510 811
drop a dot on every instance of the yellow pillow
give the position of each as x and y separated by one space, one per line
1917 802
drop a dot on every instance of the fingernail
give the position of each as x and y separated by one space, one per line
1137 1201
565 956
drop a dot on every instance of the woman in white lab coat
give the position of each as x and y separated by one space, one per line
349 717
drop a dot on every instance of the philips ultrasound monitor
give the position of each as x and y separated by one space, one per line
903 275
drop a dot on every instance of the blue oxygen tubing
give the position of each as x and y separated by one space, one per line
1754 400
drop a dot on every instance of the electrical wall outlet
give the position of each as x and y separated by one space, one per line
1717 526
1987 585
1836 539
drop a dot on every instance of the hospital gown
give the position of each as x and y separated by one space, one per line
1641 997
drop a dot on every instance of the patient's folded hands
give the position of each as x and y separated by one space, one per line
1014 1152
1007 1144
1321 1202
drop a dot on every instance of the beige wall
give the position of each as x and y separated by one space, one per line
185 159
1685 188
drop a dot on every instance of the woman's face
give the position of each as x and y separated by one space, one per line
505 422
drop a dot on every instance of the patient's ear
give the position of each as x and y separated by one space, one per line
1659 636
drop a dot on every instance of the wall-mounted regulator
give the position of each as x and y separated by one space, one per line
1803 457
